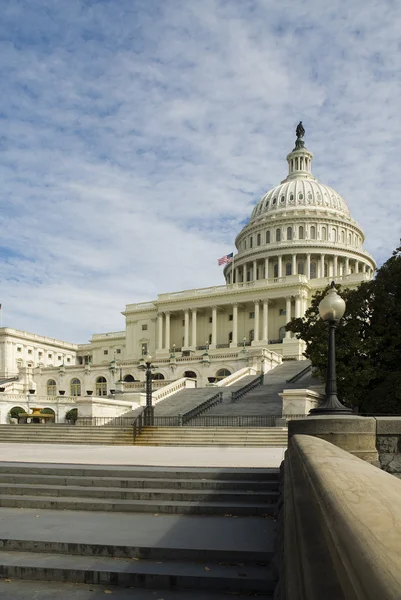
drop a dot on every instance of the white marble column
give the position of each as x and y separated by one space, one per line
167 326
322 265
160 332
214 326
288 314
294 265
186 328
255 271
265 335
356 266
346 266
256 328
280 265
193 341
307 272
236 274
335 269
266 268
235 325
297 307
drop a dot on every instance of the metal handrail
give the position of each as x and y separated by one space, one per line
247 388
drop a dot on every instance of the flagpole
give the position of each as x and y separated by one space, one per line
232 270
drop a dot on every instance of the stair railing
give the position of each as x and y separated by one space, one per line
247 388
197 410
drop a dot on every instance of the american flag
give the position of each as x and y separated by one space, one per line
225 259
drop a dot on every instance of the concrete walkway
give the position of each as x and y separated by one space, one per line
162 456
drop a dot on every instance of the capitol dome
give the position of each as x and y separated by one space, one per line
300 227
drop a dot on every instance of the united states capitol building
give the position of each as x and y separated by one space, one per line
300 236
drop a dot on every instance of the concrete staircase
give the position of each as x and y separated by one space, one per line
265 399
260 437
183 401
66 434
159 528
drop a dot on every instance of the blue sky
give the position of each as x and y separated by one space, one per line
135 137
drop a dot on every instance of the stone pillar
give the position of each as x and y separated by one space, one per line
335 268
288 314
356 266
193 341
256 329
236 274
186 328
266 268
255 271
214 326
167 325
235 326
307 272
322 266
160 331
346 266
294 265
265 334
280 266
297 307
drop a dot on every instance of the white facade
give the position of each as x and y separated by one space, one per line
299 238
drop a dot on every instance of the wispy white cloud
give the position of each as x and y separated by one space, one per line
136 136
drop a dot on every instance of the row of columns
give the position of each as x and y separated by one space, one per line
335 268
261 323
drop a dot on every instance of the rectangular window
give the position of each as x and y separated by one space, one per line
68 359
144 327
210 319
19 349
29 351
183 321
118 350
59 357
40 354
49 355
251 315
230 317
105 351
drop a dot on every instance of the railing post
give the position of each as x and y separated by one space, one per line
179 419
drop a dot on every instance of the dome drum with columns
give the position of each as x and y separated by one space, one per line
299 238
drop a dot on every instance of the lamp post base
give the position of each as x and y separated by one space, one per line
330 406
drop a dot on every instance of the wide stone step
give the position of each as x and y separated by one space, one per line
147 506
169 495
126 472
135 573
139 483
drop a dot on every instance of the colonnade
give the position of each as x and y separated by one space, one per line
295 306
311 265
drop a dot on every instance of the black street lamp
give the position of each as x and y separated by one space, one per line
148 368
331 310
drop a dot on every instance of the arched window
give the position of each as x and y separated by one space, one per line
275 270
288 268
129 378
157 376
251 242
333 235
301 268
278 235
101 386
258 239
343 236
230 337
244 244
251 335
221 373
313 270
291 196
324 233
301 233
267 237
349 238
191 374
313 232
51 388
289 233
75 387
300 196
15 412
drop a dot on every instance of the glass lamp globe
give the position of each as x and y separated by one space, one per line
332 307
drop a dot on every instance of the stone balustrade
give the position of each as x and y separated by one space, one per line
340 526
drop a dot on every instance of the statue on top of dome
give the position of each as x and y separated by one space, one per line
300 131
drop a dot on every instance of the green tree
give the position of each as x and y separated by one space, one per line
368 341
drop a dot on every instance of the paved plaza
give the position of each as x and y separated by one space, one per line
161 456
